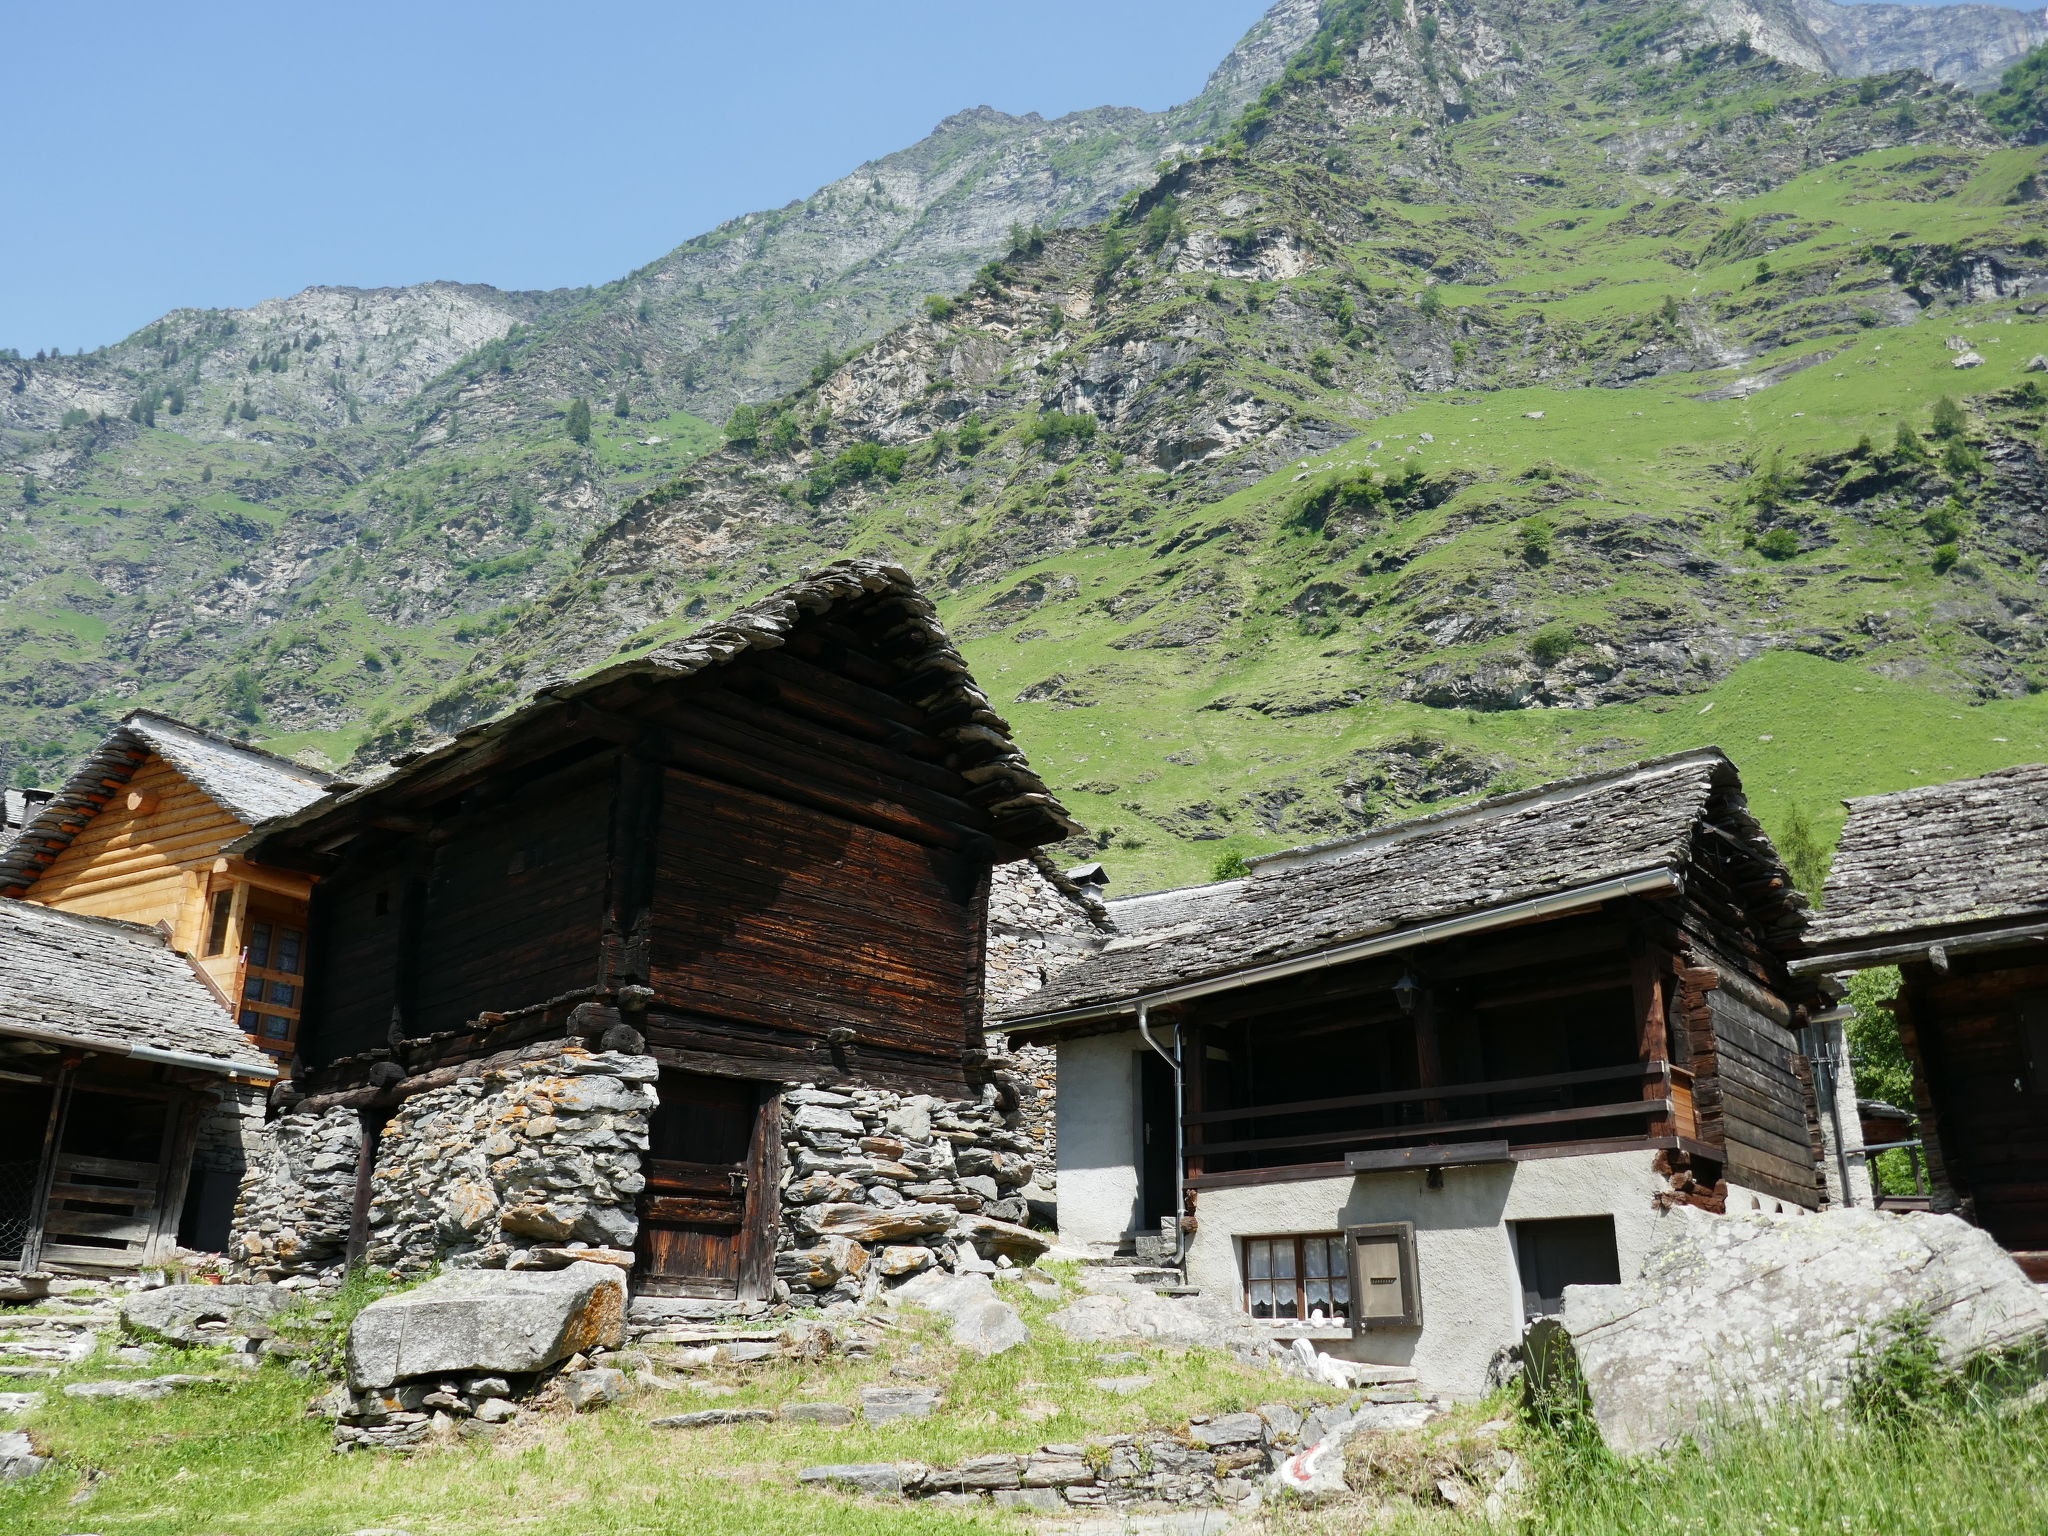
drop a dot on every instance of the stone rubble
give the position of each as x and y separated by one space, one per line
1224 1460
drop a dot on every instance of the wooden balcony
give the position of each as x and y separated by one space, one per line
1444 1123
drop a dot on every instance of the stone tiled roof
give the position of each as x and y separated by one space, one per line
1509 849
17 807
1938 857
937 681
249 783
114 987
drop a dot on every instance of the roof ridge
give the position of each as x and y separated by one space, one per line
1554 790
761 624
230 742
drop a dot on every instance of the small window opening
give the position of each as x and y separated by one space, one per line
1571 1250
1298 1279
217 924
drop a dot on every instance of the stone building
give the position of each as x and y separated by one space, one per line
680 964
1393 1094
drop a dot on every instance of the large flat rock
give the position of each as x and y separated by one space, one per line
1738 1316
205 1314
487 1320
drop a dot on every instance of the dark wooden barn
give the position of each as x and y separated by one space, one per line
1950 884
764 848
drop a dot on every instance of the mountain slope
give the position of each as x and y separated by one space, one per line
304 513
1521 384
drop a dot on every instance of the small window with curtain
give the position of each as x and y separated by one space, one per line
1303 1278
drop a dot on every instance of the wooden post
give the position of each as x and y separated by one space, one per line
46 1170
1948 1186
1650 969
1193 1094
1429 1051
373 1122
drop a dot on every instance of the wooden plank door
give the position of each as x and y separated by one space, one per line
704 1218
107 1180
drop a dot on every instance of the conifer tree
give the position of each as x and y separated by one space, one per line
579 419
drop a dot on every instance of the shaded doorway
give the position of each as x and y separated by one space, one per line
704 1228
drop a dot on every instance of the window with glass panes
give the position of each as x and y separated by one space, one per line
273 975
1297 1278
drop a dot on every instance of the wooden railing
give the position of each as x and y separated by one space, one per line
1665 1097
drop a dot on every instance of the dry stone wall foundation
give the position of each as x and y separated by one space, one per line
531 1164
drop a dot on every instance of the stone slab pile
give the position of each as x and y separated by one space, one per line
1225 1460
465 1346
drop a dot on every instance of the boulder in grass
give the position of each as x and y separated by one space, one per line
488 1321
1737 1317
981 1322
206 1314
18 1456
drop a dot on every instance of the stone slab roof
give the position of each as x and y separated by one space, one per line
1491 854
17 808
937 681
249 783
1937 857
111 986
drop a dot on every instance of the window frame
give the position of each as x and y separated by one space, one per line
1300 1277
1401 1234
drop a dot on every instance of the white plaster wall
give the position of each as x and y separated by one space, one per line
1471 1289
1098 1142
1859 1192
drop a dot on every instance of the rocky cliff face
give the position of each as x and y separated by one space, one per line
340 492
1967 45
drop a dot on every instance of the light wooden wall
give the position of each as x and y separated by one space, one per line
151 855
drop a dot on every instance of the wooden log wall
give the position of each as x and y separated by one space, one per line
1987 1115
781 849
146 863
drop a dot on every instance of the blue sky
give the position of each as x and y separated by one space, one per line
206 153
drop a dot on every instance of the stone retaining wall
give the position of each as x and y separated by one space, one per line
1039 923
515 1166
876 1183
292 1217
531 1155
1219 1460
481 1173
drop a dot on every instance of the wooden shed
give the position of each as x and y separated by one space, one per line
111 1048
136 834
1418 1081
1950 884
764 849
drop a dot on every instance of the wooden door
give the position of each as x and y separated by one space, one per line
705 1215
108 1183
